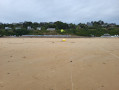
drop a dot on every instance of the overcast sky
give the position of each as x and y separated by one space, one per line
71 11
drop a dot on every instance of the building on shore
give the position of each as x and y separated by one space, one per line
17 28
89 24
29 28
51 29
106 35
8 28
38 28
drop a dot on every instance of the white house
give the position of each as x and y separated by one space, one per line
38 28
17 28
29 28
89 24
104 25
106 35
8 28
112 24
50 29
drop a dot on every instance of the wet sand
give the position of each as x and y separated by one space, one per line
49 64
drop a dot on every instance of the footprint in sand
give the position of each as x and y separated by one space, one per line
11 56
53 42
51 89
1 84
10 61
24 57
103 63
102 86
35 77
8 73
72 42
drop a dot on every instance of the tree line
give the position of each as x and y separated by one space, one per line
94 28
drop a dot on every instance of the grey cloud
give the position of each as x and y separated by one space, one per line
71 11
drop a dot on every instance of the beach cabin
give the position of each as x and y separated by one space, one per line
106 35
112 24
8 28
50 29
104 25
89 24
29 28
38 28
17 28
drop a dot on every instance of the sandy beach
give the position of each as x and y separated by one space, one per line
50 64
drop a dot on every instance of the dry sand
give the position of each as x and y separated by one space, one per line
49 64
